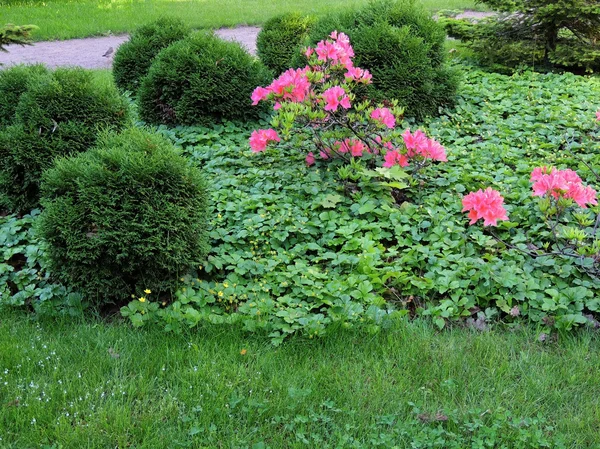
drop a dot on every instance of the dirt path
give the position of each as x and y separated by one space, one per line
89 52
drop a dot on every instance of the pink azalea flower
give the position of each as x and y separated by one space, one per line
562 184
598 115
412 141
260 138
310 159
357 148
486 204
432 149
309 51
334 97
259 94
395 158
291 85
385 116
325 153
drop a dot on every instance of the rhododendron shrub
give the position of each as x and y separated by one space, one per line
322 109
563 196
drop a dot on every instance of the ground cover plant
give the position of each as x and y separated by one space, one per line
100 17
69 383
296 250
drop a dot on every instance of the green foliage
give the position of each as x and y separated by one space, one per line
127 216
403 47
293 250
546 34
200 80
58 116
13 34
14 82
93 383
280 38
133 59
24 279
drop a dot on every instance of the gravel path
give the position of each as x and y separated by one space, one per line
90 52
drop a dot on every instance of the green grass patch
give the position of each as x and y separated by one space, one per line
81 18
92 384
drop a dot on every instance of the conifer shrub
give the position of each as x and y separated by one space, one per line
133 58
14 82
58 116
280 38
543 34
200 80
127 216
403 47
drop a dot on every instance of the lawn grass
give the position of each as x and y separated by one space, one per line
92 384
60 19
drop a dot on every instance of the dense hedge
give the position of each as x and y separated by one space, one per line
133 59
14 82
124 217
58 116
280 38
199 80
403 47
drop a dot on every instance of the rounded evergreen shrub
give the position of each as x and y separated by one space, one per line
403 47
14 82
58 116
280 38
200 80
124 217
132 59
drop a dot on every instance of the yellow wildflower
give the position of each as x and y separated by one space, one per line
142 299
147 291
220 293
243 352
225 284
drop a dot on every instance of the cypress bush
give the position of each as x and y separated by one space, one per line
132 60
14 82
403 47
58 116
280 38
126 216
200 80
545 34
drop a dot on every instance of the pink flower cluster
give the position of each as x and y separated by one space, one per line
417 144
598 115
384 116
292 85
260 138
337 50
394 157
486 204
334 97
562 184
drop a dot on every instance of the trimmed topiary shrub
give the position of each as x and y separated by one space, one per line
133 59
14 82
58 116
279 39
127 216
200 80
403 47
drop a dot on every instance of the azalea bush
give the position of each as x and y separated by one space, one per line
322 110
563 200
